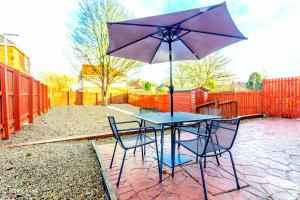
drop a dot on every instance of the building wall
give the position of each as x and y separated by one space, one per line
16 59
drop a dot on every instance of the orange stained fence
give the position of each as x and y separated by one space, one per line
22 98
282 97
248 103
67 98
184 101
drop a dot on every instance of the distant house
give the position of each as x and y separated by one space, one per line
93 72
17 59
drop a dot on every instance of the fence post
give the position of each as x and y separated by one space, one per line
17 113
216 105
235 108
30 109
5 102
46 96
68 98
43 98
39 97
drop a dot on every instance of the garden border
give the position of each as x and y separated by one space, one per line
110 193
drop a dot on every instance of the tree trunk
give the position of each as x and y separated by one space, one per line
104 94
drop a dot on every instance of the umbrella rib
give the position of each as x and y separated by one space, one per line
126 45
155 51
189 48
217 34
191 17
180 36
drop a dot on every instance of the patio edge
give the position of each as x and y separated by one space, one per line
108 188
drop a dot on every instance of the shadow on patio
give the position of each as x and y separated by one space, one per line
267 159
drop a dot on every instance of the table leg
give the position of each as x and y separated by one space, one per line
161 152
173 149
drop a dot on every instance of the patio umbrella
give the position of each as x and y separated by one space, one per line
185 35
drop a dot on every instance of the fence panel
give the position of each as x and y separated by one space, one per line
19 100
24 98
248 103
281 97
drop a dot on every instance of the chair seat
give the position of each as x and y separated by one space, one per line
192 146
133 141
193 130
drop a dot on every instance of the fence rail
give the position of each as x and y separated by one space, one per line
22 98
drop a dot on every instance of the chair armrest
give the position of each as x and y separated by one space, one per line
138 129
127 122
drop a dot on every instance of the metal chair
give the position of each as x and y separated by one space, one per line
131 142
207 146
149 124
200 127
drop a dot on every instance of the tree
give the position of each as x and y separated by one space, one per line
148 86
90 41
180 75
255 81
206 72
60 82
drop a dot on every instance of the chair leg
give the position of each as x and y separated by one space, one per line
112 159
215 151
156 148
120 174
198 138
142 149
234 171
136 143
179 133
202 177
145 145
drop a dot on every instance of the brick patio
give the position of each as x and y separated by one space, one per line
267 157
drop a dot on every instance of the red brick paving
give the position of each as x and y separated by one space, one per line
267 157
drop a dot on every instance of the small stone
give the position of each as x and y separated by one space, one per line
87 194
10 168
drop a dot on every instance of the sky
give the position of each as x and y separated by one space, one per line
271 27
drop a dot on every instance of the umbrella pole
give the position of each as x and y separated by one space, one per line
171 81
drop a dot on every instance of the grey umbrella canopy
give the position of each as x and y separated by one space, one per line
185 35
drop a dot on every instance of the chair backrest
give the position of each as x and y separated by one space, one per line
205 110
114 129
214 111
148 110
223 132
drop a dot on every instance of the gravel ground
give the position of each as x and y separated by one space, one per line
66 170
67 121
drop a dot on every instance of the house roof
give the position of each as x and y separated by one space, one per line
9 42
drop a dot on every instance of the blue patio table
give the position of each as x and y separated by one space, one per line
165 119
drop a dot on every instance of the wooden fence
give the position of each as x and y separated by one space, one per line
278 98
65 98
281 97
184 101
248 103
22 98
